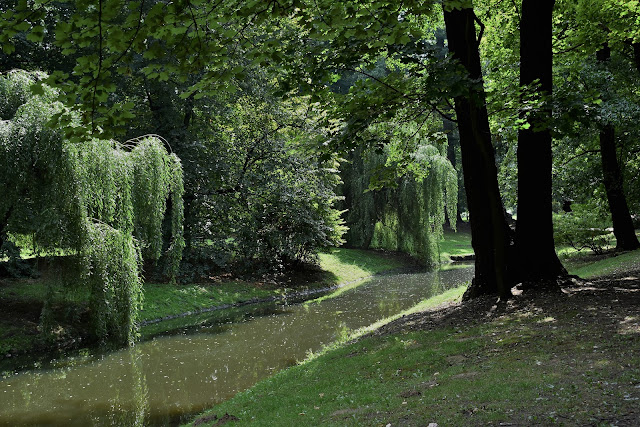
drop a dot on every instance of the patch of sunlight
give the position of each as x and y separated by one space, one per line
408 343
342 289
629 326
520 316
193 290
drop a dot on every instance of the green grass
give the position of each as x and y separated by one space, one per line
342 265
524 368
610 265
348 265
455 243
162 299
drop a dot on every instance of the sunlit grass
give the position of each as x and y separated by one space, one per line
610 265
354 264
455 243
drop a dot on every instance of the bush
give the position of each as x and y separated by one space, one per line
586 227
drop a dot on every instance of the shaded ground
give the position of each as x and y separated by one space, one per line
611 301
585 343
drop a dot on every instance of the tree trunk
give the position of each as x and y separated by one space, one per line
622 223
488 227
449 127
537 259
636 55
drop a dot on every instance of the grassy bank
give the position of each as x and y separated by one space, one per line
455 244
588 266
340 266
22 300
535 360
520 368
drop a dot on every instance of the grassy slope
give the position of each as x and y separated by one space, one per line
341 265
585 268
458 243
526 367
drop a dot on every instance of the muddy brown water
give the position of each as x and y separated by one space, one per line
206 360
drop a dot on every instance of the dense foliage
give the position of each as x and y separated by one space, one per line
406 212
100 200
264 103
584 227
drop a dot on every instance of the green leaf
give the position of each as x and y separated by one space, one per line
8 48
37 89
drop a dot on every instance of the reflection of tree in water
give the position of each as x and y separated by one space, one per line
437 285
129 406
389 305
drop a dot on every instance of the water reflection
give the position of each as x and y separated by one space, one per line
207 362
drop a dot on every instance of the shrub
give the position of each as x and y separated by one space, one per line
586 227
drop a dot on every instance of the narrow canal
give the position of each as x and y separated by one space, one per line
164 380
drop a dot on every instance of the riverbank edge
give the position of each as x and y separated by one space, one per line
297 295
382 262
304 392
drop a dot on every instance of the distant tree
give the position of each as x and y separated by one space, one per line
597 84
622 224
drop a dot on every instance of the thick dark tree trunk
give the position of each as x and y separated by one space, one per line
636 55
3 225
622 223
488 226
537 259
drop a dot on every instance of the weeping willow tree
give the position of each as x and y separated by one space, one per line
100 201
396 197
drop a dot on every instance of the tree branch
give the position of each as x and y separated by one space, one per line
479 22
382 82
580 155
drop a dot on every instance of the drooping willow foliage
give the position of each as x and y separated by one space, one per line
407 212
101 200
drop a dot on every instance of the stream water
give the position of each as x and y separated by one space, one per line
207 360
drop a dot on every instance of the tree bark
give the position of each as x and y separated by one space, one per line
537 259
636 55
620 216
488 227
